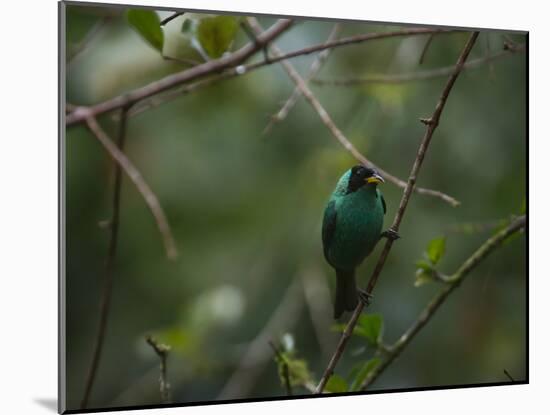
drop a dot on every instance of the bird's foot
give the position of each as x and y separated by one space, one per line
364 297
390 234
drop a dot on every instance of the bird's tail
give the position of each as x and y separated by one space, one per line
346 292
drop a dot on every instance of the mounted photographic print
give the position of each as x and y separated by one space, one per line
277 207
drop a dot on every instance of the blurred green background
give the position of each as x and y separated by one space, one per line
246 212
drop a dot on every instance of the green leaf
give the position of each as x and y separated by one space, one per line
370 327
423 277
424 265
362 372
336 384
215 34
436 249
147 24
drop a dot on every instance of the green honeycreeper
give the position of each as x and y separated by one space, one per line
352 226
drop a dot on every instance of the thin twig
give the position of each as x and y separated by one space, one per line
281 360
336 132
185 61
105 301
171 17
413 76
509 376
233 64
431 124
173 80
425 49
240 70
136 177
162 351
297 93
473 261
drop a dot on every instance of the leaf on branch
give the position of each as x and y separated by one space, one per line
289 365
423 276
360 372
370 326
215 34
147 24
436 249
336 384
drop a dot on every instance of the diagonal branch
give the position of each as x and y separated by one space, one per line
336 132
233 63
239 70
455 280
173 80
297 93
431 124
136 177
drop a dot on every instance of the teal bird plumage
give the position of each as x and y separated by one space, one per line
352 226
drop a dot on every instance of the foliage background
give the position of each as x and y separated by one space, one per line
246 211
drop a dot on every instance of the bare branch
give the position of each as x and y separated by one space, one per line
105 301
297 93
456 279
431 124
425 49
162 352
171 17
414 76
239 70
136 177
233 64
171 81
508 376
336 132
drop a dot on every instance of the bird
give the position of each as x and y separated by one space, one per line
352 225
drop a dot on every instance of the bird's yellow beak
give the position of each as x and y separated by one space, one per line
376 178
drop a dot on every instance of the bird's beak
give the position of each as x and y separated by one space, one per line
375 178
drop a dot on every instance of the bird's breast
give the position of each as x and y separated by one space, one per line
359 223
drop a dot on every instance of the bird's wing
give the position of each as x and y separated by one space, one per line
329 226
383 202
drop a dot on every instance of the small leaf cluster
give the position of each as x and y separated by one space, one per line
288 364
369 327
212 35
426 271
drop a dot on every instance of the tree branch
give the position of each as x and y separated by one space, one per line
162 351
231 63
170 81
336 132
313 70
431 124
136 177
455 280
171 17
105 301
414 76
